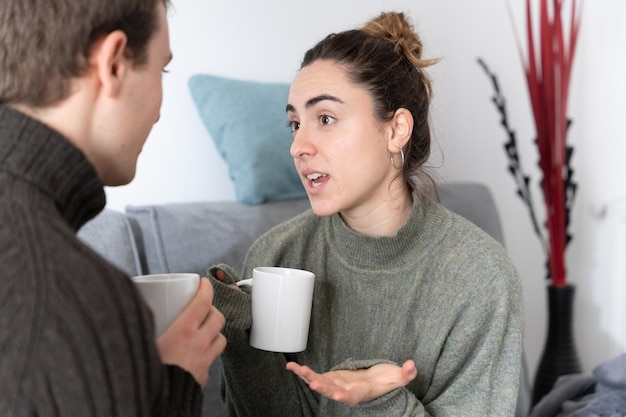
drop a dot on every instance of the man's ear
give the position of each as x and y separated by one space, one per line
402 128
109 64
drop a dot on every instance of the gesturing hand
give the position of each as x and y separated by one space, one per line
193 340
361 385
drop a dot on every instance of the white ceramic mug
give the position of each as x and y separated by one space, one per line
281 308
167 295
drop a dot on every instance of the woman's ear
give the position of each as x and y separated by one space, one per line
402 128
109 65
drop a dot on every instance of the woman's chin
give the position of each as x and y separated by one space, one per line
321 209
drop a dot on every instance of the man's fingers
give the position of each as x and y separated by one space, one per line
205 291
211 329
216 347
200 305
214 320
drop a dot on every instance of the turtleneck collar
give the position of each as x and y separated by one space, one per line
41 157
416 236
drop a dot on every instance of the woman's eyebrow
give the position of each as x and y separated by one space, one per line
313 101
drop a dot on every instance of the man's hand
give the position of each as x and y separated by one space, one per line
354 387
193 341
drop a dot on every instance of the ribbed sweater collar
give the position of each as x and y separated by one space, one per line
415 239
33 153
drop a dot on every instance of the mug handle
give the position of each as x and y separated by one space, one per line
244 282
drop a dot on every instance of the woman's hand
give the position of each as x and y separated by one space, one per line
361 385
221 275
194 340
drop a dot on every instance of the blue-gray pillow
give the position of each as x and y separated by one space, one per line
247 122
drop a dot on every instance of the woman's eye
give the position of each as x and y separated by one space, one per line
326 120
293 125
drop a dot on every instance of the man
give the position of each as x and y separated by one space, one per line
80 88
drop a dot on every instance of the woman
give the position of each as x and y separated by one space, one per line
416 311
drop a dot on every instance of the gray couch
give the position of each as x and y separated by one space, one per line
190 237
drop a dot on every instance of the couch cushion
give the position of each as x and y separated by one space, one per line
191 237
247 122
110 235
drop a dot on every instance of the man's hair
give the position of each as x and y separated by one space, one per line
44 44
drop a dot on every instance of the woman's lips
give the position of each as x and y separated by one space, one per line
316 179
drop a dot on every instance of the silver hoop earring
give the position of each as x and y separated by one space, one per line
394 165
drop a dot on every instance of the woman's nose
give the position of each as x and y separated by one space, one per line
302 145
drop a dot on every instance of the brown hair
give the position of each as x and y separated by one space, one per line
46 43
384 56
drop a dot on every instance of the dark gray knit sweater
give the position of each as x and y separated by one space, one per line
75 338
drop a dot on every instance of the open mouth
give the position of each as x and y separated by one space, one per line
316 179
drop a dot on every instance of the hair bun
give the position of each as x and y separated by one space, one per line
395 27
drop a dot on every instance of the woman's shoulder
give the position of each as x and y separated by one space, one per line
473 250
461 230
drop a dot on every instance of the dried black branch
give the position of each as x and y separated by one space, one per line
515 167
570 186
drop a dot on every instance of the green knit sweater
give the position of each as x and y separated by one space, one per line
441 292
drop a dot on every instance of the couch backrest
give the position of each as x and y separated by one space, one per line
190 237
111 236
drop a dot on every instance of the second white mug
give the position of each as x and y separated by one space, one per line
167 295
281 308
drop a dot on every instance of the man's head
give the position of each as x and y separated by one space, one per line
90 70
46 43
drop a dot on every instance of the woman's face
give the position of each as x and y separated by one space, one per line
340 149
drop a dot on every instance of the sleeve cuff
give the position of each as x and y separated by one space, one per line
352 365
234 304
183 395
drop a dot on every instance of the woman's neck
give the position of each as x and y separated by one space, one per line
384 218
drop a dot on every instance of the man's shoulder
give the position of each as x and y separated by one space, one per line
39 248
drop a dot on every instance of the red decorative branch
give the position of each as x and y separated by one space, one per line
548 87
548 70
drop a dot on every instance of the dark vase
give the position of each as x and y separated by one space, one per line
559 355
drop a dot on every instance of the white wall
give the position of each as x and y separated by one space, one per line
266 40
